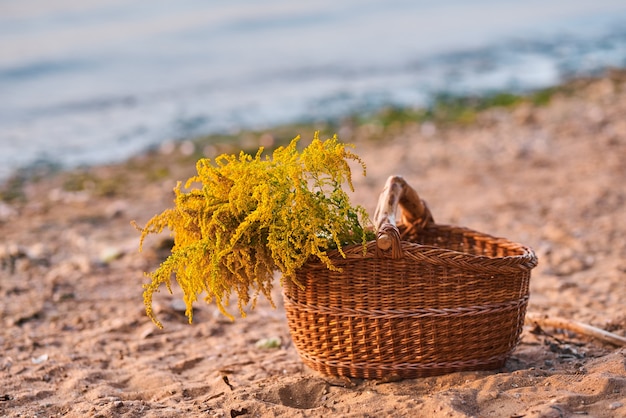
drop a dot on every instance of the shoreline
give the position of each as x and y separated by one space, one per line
237 71
446 109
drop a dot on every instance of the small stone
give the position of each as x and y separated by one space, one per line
428 129
109 254
615 405
187 148
268 343
147 333
41 359
38 251
167 147
178 305
116 209
6 363
6 212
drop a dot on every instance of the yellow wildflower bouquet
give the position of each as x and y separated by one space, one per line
243 217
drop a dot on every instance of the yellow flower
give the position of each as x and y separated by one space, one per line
248 216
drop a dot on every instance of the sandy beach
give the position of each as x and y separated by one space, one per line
75 340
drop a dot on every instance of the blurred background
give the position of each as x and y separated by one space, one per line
98 81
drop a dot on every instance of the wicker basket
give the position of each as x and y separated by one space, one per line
440 299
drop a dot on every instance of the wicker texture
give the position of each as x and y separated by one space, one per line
441 299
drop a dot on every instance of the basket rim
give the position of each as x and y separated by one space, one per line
436 255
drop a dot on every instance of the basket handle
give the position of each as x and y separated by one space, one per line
414 212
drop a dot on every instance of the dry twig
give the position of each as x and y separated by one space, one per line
577 327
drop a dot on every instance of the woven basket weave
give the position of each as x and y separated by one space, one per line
441 299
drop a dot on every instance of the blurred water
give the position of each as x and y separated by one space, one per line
92 82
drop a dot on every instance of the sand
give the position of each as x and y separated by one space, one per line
75 340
